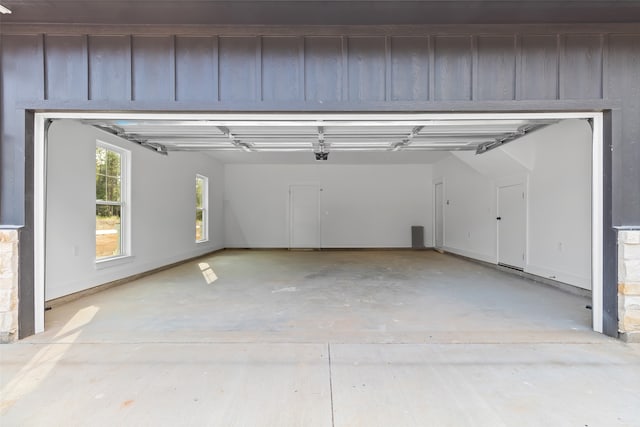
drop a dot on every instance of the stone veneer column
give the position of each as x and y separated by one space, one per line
629 285
8 285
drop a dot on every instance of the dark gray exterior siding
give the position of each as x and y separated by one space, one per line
323 12
310 70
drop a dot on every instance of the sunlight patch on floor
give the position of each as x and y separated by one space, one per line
41 365
207 272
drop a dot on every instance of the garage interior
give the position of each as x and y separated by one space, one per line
352 185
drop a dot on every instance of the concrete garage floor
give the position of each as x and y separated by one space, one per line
344 338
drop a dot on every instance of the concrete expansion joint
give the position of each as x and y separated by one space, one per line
330 385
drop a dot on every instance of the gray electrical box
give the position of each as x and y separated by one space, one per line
417 237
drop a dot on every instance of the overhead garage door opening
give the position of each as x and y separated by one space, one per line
515 190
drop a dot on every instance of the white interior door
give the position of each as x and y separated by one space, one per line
304 216
439 215
512 223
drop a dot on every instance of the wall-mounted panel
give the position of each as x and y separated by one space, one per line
366 68
623 83
496 68
66 68
581 67
153 68
281 69
623 77
409 69
237 66
22 72
110 68
452 68
323 68
539 67
196 69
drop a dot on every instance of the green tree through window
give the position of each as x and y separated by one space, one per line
108 202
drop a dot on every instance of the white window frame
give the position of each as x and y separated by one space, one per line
204 208
125 206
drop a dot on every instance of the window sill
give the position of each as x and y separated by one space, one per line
113 262
202 241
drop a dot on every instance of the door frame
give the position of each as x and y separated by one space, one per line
42 116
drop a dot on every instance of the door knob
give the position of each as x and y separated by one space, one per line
499 218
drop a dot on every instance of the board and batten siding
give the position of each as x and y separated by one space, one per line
309 72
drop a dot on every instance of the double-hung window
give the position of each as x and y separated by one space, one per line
202 207
111 198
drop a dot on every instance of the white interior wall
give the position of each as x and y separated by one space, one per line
555 165
162 209
559 211
362 206
469 211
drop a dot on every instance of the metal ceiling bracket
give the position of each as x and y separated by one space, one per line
235 141
399 145
114 130
159 148
522 131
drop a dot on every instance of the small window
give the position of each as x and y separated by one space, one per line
110 201
202 207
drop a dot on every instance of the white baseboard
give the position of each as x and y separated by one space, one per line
470 254
560 276
122 271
